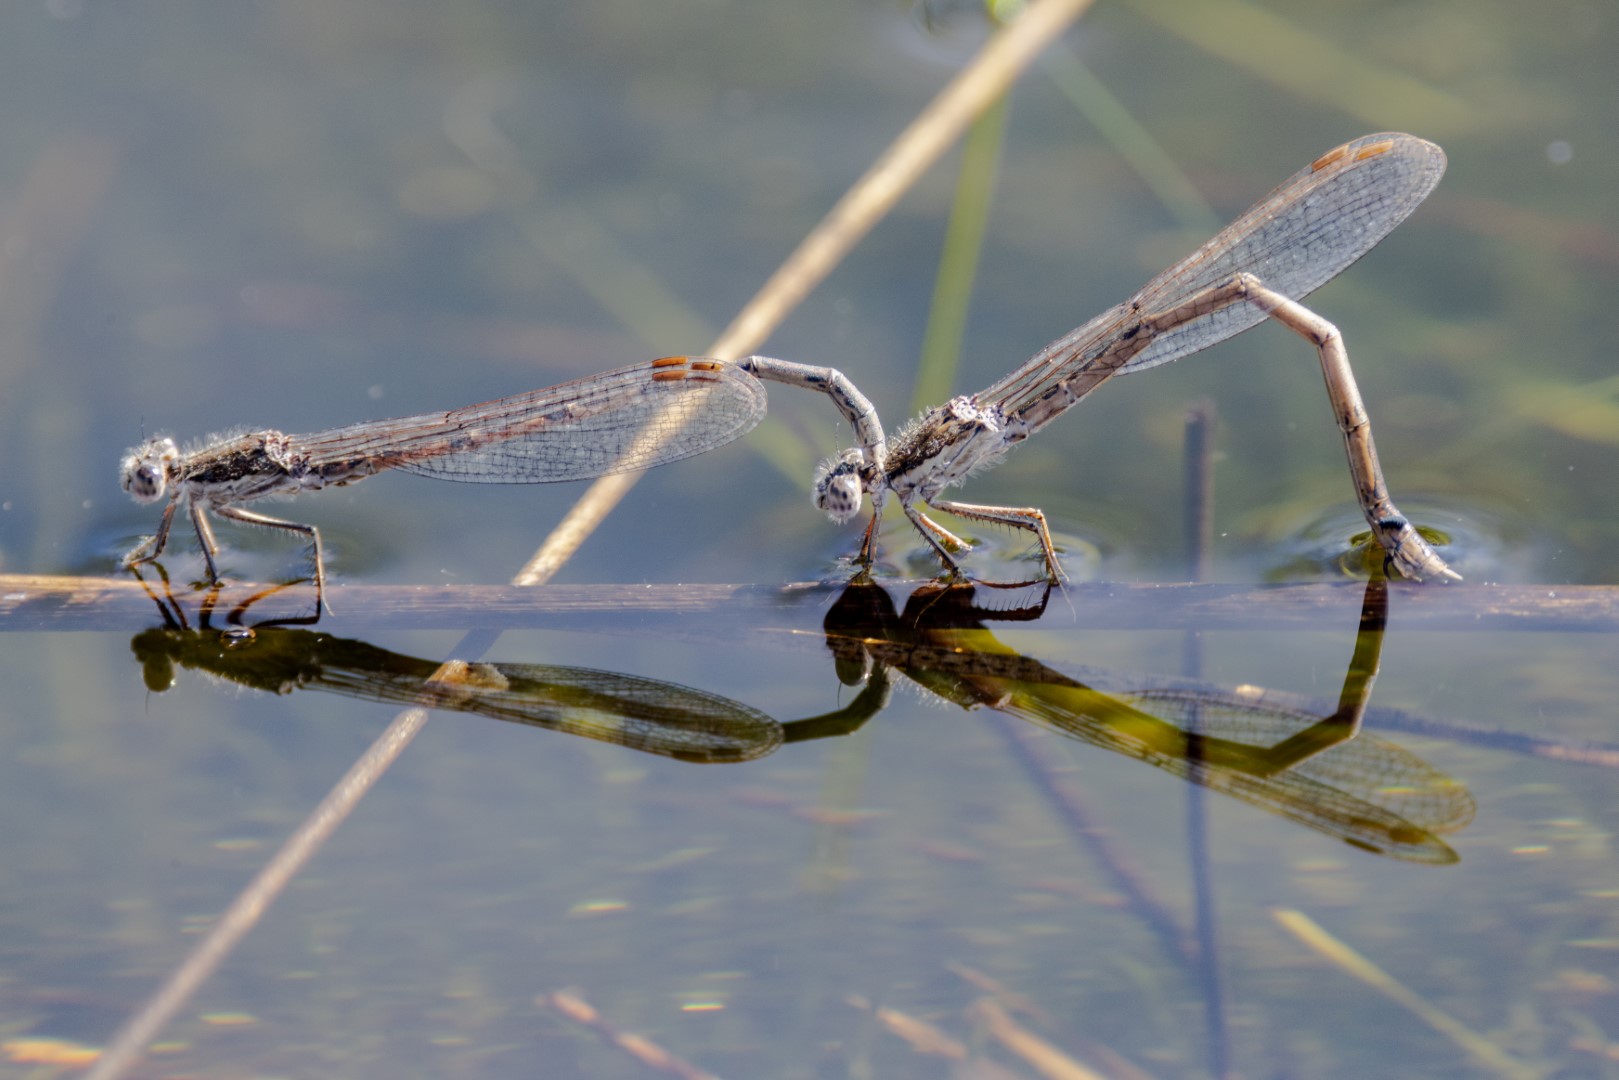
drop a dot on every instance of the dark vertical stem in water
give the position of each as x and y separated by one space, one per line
1198 504
1198 517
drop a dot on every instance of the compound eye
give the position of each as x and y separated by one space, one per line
842 498
838 490
147 483
145 471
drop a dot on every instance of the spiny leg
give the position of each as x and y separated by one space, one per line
867 556
140 553
206 541
941 539
868 543
248 517
1019 517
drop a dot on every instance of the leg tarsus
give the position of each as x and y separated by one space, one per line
156 542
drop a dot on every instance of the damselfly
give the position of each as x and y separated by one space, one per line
623 420
1292 242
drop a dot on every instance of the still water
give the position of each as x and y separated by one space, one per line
302 215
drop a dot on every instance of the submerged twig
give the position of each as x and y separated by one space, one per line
1483 1051
648 1053
1046 1059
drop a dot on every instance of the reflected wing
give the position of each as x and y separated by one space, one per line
1365 791
643 714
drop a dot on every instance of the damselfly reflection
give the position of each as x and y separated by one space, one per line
1280 752
648 715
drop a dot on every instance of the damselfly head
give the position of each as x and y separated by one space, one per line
144 472
839 489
